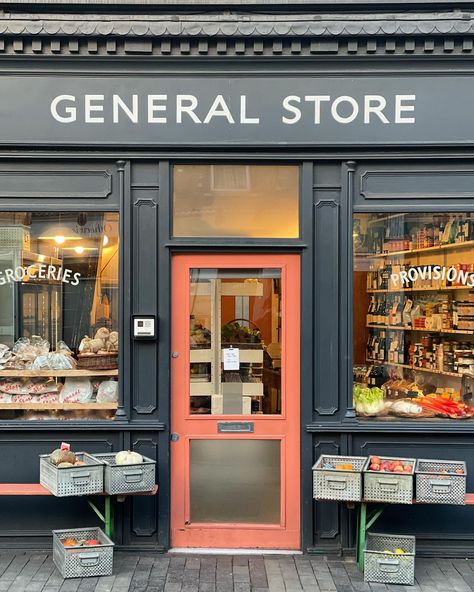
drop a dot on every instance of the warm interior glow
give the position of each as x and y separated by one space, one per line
105 240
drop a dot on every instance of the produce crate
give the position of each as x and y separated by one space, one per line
127 478
389 568
438 483
83 561
338 484
391 488
68 481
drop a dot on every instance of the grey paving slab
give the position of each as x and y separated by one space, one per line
35 572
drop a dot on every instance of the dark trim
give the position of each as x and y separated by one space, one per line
306 358
393 427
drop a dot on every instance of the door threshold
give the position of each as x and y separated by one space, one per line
219 551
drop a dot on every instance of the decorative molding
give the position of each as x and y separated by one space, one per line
57 190
145 201
239 25
233 33
398 177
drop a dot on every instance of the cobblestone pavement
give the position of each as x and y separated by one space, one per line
35 572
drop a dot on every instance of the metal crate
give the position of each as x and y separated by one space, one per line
391 488
127 478
437 482
389 568
338 484
83 561
68 481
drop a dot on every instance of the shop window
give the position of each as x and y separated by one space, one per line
58 315
414 316
227 200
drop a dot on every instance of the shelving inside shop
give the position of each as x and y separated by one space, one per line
414 307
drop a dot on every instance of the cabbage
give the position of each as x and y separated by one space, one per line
368 400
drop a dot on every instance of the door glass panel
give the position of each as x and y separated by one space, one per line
235 481
235 341
258 201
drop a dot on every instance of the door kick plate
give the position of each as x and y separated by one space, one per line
235 426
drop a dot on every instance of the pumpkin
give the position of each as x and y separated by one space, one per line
127 457
59 456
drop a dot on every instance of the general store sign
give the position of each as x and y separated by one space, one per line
217 110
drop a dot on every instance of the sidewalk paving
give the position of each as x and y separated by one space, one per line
134 572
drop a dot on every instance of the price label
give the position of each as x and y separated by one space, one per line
230 358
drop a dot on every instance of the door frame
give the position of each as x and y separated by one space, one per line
287 534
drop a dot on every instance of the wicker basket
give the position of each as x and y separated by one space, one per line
123 479
70 481
391 567
334 484
390 488
79 561
106 361
437 482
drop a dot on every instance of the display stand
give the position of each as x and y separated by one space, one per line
366 518
107 516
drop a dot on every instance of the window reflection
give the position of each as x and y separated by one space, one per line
258 201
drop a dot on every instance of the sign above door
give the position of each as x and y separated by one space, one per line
243 110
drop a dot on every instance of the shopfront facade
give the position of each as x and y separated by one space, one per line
250 218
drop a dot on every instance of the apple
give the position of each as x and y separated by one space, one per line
407 469
92 542
398 469
459 472
376 460
374 467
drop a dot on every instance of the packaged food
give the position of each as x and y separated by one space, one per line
4 398
13 386
27 398
107 392
76 390
37 386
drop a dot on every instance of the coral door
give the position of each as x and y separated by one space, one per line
235 447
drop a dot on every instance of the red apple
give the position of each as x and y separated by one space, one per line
398 469
374 467
92 542
376 460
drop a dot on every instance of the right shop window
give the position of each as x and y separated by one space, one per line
414 315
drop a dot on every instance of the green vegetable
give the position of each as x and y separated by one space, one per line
368 400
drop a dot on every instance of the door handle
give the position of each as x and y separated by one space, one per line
174 437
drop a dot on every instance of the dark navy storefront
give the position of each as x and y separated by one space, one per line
97 105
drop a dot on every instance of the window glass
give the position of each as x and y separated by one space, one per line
235 337
414 315
257 201
58 315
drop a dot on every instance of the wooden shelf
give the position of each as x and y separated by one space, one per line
442 373
447 247
59 406
55 373
403 290
444 331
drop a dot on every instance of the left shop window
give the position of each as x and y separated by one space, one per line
58 315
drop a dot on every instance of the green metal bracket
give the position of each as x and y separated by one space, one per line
364 522
107 517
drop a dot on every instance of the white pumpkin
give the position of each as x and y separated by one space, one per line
127 457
